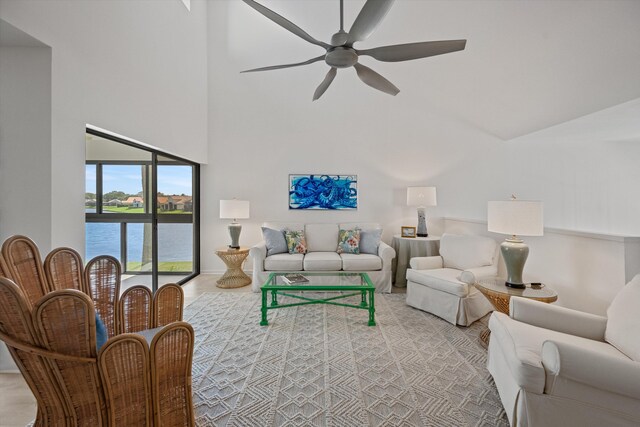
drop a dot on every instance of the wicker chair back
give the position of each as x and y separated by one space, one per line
165 301
66 323
64 270
23 261
139 319
102 276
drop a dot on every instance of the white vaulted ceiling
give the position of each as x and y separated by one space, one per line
528 65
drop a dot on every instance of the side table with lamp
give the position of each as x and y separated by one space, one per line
234 256
499 295
514 218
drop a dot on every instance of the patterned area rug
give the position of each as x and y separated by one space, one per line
321 365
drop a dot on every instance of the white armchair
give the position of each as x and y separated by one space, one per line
443 285
556 366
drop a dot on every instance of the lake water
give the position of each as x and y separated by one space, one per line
175 241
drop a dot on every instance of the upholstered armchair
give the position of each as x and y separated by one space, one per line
443 284
141 376
555 366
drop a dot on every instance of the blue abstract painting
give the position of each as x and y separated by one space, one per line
336 192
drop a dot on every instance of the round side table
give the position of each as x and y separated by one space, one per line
234 277
407 248
499 295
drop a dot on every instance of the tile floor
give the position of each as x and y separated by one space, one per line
17 404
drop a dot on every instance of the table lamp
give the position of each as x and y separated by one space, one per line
421 197
515 218
234 209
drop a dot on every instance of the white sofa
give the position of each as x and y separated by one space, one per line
443 284
559 367
322 256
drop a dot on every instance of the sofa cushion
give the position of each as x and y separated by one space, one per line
275 241
348 242
463 252
370 240
361 262
442 279
521 344
321 237
623 320
284 262
322 261
296 241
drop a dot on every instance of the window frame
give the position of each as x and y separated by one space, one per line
152 216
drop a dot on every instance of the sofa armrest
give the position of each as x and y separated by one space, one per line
561 319
471 275
258 254
387 254
582 365
426 262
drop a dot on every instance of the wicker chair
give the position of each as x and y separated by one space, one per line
134 380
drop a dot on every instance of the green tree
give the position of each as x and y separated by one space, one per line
111 195
89 196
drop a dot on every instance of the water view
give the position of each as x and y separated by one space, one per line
175 245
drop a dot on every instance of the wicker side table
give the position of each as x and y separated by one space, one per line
234 277
499 295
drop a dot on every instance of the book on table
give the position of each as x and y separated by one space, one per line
294 279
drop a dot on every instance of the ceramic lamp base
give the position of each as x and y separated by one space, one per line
422 223
234 231
515 253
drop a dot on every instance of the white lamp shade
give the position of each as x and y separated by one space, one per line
421 196
234 209
516 217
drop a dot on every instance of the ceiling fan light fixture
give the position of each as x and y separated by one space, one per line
341 57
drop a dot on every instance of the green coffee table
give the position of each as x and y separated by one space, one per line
348 284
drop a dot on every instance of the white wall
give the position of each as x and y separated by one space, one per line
135 68
259 135
264 126
587 270
585 170
25 143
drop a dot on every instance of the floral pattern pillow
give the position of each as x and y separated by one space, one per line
349 242
296 242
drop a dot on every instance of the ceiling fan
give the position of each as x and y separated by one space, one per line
340 53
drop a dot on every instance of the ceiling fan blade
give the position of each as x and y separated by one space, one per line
277 67
375 80
285 23
409 51
368 19
325 83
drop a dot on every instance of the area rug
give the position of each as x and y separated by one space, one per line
321 365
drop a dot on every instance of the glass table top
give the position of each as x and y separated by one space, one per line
496 284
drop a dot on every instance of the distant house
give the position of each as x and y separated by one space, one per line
114 202
134 202
90 202
163 203
183 203
172 203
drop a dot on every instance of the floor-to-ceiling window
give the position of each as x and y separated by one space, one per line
142 208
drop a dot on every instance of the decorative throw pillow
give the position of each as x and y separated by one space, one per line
101 333
296 243
275 241
349 242
369 241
